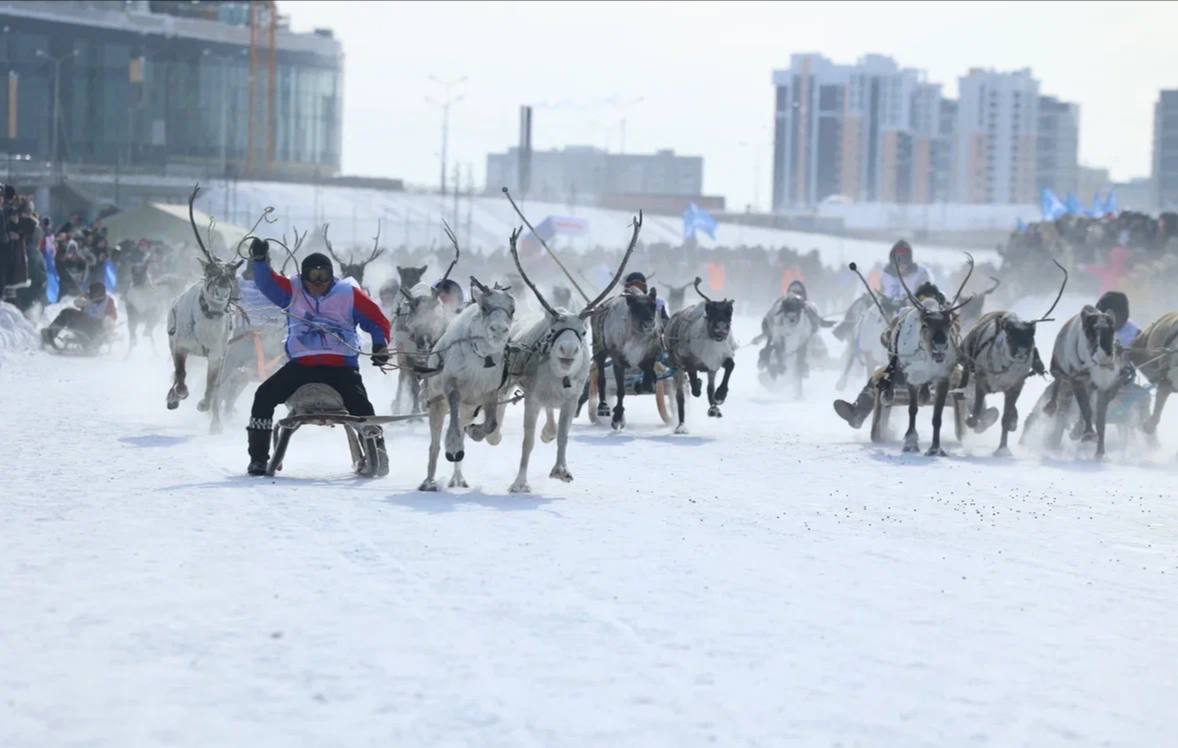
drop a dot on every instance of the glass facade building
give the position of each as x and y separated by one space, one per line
143 87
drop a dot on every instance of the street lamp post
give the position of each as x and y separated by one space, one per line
623 106
445 102
56 99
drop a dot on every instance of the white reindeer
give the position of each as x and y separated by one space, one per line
471 368
550 363
200 323
420 319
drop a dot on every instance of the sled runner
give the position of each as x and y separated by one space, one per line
662 385
73 342
320 405
959 399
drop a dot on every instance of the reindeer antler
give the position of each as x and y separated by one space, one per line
528 281
327 243
992 288
1062 286
696 283
192 220
915 302
961 288
457 252
376 250
621 269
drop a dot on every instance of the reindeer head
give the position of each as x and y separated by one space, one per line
1019 336
497 308
351 268
675 297
792 308
938 318
1099 334
220 278
643 309
410 277
563 296
420 313
717 314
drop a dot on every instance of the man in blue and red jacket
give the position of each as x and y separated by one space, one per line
321 341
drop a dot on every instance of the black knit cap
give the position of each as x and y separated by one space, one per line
635 278
1116 304
315 260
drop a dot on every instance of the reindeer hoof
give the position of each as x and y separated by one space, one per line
603 411
173 403
215 427
561 473
458 482
1088 437
520 487
696 388
911 443
1149 426
429 484
721 395
714 412
203 405
618 424
455 456
1002 452
680 429
547 434
494 438
935 452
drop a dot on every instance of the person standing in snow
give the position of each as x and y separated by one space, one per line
321 342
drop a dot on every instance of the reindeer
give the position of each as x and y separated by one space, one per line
550 363
999 353
350 268
864 345
628 329
699 338
923 346
200 323
471 369
1154 354
145 304
787 329
1085 357
420 319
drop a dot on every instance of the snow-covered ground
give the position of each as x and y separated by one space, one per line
770 579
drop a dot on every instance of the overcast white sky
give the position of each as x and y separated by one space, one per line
703 73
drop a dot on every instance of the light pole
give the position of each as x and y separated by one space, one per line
447 99
623 106
56 98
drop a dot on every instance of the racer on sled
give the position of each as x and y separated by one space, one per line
94 316
914 275
854 413
321 342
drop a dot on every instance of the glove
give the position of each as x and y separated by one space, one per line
260 250
380 355
1128 374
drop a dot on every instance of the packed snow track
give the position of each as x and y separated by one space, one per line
771 578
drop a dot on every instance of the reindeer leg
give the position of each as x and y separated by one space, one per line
713 407
696 386
680 399
560 471
1151 423
934 449
1009 418
1084 400
457 479
179 390
531 413
602 406
454 450
619 420
480 431
436 417
911 440
548 433
211 399
1102 400
722 390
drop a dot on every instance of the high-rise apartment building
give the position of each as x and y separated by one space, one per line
1165 150
995 138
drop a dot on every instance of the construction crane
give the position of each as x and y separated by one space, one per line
263 66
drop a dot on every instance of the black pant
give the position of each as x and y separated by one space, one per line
76 319
283 383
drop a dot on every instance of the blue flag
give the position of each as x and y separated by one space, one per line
1110 203
697 219
110 277
1051 206
1019 226
1073 205
52 282
1097 207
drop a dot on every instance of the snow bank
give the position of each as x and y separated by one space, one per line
16 332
